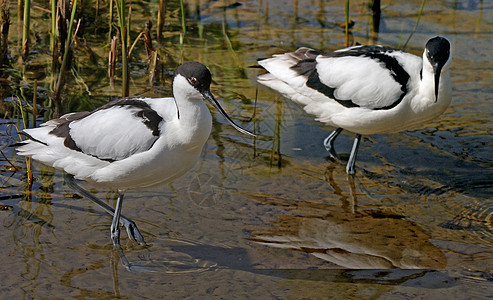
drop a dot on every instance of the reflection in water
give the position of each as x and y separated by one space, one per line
348 202
27 221
359 241
367 239
362 284
370 239
70 279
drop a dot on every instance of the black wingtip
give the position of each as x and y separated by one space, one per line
29 137
258 66
18 144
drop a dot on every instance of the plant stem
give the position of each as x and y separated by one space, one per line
53 26
415 25
61 75
232 52
112 61
23 116
110 36
347 23
35 96
183 25
276 143
25 34
120 6
161 13
4 32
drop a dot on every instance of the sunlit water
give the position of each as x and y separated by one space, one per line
272 217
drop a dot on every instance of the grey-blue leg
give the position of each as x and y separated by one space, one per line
352 156
329 142
115 224
115 237
132 230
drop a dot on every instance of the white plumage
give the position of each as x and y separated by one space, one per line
364 89
131 143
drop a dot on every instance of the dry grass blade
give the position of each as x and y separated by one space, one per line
9 162
112 58
65 62
163 5
152 54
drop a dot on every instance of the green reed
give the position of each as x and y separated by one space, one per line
25 123
120 7
23 117
27 22
53 26
183 24
415 25
232 52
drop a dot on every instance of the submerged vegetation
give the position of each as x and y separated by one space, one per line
78 45
77 48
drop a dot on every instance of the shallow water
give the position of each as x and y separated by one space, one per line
272 217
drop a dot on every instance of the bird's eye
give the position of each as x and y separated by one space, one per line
193 80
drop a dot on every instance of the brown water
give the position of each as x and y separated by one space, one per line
271 217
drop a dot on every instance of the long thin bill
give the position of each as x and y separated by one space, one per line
437 69
207 95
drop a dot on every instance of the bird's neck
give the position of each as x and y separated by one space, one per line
187 102
427 84
194 119
425 98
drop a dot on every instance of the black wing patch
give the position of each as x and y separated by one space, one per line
307 67
62 128
144 112
149 116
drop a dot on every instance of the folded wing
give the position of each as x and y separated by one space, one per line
363 76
